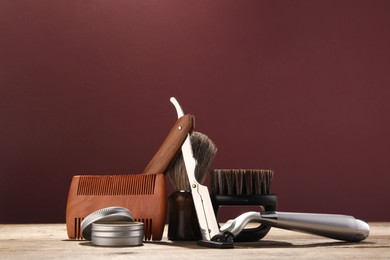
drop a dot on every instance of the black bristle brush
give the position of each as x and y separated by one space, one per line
183 222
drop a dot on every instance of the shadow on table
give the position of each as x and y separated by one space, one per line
277 244
246 245
263 244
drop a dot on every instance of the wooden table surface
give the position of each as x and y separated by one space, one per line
50 241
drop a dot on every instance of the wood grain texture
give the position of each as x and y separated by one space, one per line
171 145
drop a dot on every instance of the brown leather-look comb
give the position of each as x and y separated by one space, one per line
143 194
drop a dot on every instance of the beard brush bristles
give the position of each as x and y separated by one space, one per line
204 152
240 181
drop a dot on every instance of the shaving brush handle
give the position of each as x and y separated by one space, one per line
183 223
268 202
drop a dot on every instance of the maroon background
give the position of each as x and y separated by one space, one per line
301 87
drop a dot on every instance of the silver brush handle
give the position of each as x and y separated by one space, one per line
340 227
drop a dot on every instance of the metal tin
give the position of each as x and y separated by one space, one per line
109 214
117 233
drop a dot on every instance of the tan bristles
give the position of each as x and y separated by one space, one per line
240 181
204 152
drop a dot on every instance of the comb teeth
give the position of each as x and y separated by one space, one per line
240 181
147 227
113 185
77 228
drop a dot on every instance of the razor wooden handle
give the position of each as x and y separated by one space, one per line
171 145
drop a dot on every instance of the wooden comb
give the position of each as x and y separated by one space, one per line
143 194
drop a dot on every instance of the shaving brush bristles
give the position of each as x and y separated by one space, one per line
177 173
204 151
240 181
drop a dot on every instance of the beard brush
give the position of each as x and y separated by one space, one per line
183 222
243 187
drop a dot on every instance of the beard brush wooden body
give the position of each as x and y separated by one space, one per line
143 194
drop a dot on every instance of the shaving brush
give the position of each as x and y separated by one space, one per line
183 222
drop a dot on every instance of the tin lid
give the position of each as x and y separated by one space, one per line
104 215
117 226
